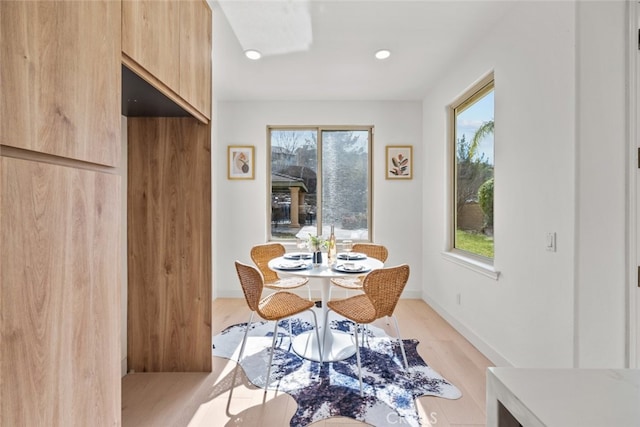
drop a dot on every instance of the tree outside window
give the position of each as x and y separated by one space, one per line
320 177
474 172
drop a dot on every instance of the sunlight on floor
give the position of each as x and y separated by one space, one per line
244 404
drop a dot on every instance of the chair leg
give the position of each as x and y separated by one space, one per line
244 339
273 343
404 355
355 334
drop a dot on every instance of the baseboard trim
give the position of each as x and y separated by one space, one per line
489 352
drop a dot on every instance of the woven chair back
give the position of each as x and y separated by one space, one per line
372 250
262 254
384 287
251 282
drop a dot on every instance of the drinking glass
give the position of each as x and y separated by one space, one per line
347 246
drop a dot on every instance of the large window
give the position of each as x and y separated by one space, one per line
473 129
320 177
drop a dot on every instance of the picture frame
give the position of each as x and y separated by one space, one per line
240 162
399 162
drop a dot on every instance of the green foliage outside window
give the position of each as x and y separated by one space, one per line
485 198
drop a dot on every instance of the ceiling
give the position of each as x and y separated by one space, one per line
324 50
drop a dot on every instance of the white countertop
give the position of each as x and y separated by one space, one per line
566 397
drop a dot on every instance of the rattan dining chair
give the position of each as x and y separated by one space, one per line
261 255
382 289
276 306
372 250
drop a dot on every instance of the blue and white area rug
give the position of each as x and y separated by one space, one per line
332 390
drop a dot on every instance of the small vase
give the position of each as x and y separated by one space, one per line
317 258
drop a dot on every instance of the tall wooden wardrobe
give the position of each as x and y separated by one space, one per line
61 189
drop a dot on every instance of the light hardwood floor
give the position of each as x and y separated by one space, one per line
202 399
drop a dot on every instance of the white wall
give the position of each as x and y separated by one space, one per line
601 191
240 206
559 168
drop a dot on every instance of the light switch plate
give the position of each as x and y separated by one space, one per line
551 242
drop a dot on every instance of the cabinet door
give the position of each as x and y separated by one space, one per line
59 295
195 54
151 37
60 78
169 245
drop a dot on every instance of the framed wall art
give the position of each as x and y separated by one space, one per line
399 162
240 162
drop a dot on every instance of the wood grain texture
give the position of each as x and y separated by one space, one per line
169 238
59 295
60 78
151 37
195 54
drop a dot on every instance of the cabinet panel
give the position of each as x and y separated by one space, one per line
169 238
195 54
60 78
59 295
151 37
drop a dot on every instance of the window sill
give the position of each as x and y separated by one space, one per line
472 264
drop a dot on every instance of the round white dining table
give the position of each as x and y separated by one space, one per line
337 345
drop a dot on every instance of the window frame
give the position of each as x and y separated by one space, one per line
475 262
319 129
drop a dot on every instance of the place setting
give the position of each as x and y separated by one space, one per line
293 265
298 255
348 257
348 254
351 267
351 256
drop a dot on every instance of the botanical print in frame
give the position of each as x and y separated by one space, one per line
399 162
240 162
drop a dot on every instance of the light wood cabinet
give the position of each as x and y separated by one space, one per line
168 43
151 37
59 295
60 213
60 94
169 253
60 207
195 54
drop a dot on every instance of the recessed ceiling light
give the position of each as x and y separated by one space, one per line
383 54
252 54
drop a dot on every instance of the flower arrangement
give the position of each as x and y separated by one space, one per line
316 243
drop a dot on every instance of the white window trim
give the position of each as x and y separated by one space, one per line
463 259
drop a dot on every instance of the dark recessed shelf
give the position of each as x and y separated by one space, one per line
140 99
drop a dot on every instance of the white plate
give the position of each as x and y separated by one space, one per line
356 268
292 266
298 255
351 256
